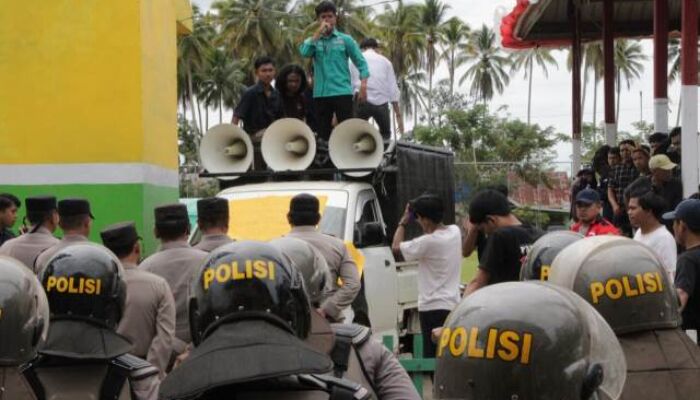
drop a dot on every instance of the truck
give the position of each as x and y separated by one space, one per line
361 211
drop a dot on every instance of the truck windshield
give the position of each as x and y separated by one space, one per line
262 215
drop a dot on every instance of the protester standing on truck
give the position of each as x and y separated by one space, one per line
330 50
303 217
261 104
508 242
439 256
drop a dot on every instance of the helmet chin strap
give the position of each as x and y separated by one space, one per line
591 382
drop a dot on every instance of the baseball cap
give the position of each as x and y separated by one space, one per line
587 196
687 211
661 161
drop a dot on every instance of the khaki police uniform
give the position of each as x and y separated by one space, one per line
341 266
46 255
177 262
26 248
211 242
149 316
13 386
661 364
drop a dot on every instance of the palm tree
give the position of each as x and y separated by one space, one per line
252 28
222 81
629 65
454 34
432 16
399 30
412 94
487 73
192 50
526 60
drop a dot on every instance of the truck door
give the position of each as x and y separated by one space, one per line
381 288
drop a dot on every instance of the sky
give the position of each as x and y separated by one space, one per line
551 96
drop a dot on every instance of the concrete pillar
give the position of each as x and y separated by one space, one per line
689 97
609 72
661 66
89 104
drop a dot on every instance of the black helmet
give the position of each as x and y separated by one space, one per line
247 280
24 313
85 282
623 280
527 340
540 257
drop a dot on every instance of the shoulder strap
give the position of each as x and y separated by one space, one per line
338 389
30 375
137 368
113 382
347 336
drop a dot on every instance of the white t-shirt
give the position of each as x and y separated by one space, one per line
439 256
664 246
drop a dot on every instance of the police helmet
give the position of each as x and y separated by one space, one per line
539 258
311 264
527 341
623 280
247 280
24 313
85 282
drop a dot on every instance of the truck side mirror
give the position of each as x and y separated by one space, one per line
369 234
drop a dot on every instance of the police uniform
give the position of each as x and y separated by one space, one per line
247 303
527 340
26 248
176 262
149 314
83 357
628 286
24 322
355 354
212 210
66 207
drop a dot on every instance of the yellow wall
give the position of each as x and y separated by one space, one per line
88 81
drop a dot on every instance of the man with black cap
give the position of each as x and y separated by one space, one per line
382 89
303 216
149 314
590 222
76 222
83 357
42 214
686 229
175 261
212 219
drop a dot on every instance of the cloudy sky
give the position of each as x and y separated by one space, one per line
551 104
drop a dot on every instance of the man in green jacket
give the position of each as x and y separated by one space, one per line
330 50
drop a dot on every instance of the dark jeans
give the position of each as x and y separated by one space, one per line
341 106
430 320
380 114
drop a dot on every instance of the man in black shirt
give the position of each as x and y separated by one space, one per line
508 241
686 229
261 104
8 216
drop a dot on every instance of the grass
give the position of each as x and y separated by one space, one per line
469 266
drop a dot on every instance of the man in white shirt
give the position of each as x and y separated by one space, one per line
645 210
382 89
439 256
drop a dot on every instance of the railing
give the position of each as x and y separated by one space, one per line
418 368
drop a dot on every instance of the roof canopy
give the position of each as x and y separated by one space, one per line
547 23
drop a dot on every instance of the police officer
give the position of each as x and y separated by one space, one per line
303 216
83 357
24 323
249 315
540 257
42 214
149 314
76 222
527 341
628 286
212 219
356 355
176 262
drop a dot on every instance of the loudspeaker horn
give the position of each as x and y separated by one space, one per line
355 143
226 148
288 145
